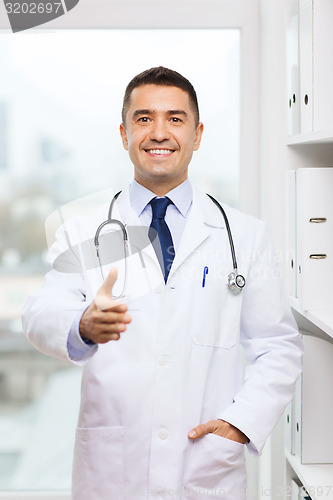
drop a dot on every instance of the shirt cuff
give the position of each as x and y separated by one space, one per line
78 349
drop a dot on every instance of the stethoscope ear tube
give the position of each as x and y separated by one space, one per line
105 223
125 241
110 221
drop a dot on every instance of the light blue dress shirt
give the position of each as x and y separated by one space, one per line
176 216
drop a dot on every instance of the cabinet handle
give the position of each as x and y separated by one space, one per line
318 220
318 256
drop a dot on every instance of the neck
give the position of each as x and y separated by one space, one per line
158 188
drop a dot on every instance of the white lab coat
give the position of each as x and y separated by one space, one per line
179 362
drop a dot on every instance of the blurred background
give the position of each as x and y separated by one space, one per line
60 109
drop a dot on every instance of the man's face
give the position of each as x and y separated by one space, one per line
160 136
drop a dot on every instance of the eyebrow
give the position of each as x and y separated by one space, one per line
170 112
177 112
138 112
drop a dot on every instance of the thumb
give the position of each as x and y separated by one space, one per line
201 430
104 298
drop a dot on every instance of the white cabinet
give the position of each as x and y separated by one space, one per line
309 239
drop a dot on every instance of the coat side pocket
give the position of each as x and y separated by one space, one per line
216 464
98 468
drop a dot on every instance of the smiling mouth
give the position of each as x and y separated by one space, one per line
159 152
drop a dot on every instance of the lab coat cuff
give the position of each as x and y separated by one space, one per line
255 444
78 350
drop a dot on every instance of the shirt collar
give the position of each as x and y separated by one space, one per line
181 196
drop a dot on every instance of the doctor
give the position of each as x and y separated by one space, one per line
165 412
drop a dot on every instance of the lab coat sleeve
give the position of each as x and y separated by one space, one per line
272 346
50 312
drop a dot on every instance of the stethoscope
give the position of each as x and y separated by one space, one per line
117 222
235 282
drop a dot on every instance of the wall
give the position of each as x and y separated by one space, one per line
273 168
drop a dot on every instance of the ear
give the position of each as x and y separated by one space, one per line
124 136
198 135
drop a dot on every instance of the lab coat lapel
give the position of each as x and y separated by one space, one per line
202 217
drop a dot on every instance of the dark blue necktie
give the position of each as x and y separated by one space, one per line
163 245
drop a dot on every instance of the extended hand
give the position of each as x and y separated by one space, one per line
104 319
221 428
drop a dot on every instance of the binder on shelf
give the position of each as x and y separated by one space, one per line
322 65
291 235
297 418
314 403
305 65
309 67
289 439
314 187
293 69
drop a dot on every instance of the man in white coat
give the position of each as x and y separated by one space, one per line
165 411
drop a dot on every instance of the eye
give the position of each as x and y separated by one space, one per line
143 119
175 119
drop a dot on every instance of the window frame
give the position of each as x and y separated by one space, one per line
35 495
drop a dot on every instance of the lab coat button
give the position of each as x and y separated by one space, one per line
163 434
163 361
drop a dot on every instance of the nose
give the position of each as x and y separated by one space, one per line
159 131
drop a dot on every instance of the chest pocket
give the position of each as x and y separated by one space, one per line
215 321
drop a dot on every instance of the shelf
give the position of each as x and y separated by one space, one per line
313 320
316 478
311 138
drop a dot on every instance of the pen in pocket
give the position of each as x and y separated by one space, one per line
205 272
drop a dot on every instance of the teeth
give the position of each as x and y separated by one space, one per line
160 151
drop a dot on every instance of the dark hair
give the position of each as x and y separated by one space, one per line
161 76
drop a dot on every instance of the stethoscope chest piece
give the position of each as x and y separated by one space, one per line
236 283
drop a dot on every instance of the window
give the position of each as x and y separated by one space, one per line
60 104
